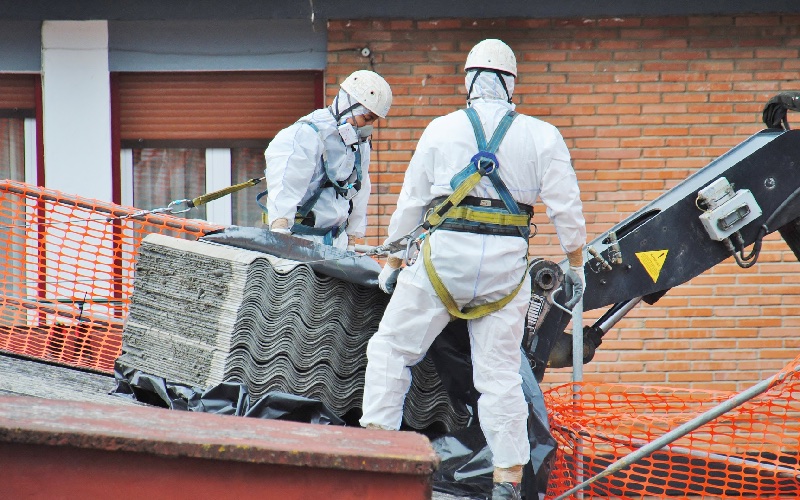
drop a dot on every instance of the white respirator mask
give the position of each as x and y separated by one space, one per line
365 131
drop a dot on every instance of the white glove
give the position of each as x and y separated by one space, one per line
387 279
574 284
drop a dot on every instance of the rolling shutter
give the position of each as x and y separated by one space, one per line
214 106
17 92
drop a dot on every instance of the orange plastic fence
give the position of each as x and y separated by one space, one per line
66 277
66 272
751 451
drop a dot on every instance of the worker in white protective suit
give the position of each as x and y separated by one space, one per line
317 170
472 263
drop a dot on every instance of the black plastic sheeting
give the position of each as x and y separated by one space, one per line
227 398
323 259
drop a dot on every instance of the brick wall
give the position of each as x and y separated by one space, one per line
642 103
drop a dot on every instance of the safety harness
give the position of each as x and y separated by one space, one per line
304 219
481 215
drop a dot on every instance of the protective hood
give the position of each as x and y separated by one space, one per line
487 85
344 106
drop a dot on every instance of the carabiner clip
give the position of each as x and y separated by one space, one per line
171 208
413 242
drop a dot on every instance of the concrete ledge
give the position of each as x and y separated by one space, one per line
74 449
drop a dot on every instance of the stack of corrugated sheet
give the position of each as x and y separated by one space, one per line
203 313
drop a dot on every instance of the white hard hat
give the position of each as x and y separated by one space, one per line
492 54
369 89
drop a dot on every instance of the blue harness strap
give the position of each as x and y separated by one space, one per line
485 161
328 233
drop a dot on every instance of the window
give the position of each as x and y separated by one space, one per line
163 175
12 149
185 134
154 177
17 163
246 164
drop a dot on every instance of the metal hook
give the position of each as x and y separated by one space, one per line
171 208
552 301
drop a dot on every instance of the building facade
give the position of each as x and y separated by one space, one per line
141 106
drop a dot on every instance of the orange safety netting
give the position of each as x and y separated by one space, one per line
751 451
66 272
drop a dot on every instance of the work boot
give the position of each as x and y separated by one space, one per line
507 491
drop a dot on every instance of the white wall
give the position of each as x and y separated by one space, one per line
77 108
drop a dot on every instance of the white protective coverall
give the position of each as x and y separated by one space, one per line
476 268
294 171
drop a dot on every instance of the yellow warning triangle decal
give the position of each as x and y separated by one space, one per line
653 262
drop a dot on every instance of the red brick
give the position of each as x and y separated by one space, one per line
642 142
717 66
618 132
641 120
681 76
686 119
616 45
596 66
684 55
572 66
529 23
666 43
530 74
590 55
691 377
638 98
729 77
597 121
666 66
439 24
757 21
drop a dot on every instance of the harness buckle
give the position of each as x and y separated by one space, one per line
485 203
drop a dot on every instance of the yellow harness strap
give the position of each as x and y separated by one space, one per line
473 312
482 216
435 218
